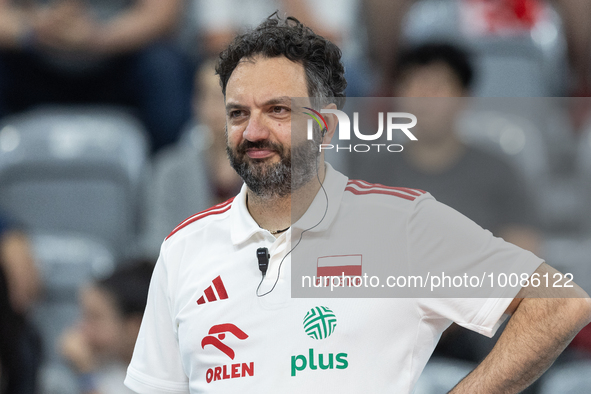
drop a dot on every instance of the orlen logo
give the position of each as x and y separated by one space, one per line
345 130
216 335
319 323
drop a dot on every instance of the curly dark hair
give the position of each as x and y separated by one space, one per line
128 285
455 57
275 37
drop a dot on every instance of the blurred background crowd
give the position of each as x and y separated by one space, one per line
112 132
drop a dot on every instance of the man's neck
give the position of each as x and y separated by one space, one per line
278 213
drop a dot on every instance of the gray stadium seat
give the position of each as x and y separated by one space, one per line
487 123
520 65
574 378
565 202
584 168
570 254
179 187
74 169
441 375
584 153
66 262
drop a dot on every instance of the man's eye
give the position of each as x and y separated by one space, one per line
279 110
235 113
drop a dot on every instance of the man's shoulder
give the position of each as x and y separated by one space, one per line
203 218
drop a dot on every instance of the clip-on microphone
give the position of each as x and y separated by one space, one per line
263 257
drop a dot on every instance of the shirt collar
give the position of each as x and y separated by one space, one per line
244 226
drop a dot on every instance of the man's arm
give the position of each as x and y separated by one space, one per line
541 327
16 256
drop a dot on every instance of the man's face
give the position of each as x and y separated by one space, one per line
434 96
102 325
258 119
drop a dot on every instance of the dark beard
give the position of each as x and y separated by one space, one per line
277 179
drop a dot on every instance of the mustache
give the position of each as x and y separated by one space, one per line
261 144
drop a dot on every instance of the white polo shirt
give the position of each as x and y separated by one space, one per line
205 330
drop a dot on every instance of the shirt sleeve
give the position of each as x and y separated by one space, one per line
468 262
156 366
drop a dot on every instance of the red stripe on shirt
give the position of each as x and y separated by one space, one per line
219 286
215 210
367 185
378 191
210 294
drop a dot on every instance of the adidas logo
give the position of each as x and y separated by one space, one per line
210 294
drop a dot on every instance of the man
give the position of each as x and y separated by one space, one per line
212 324
20 284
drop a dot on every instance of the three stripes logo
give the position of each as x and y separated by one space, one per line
319 322
210 294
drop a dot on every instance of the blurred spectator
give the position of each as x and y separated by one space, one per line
10 358
16 259
436 78
19 285
435 81
221 20
100 346
194 174
576 17
384 20
97 51
337 20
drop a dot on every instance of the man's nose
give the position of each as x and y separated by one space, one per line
256 129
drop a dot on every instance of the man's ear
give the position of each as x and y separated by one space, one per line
331 121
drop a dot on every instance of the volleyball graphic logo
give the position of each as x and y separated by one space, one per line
320 322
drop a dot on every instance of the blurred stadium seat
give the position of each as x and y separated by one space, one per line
584 167
573 378
570 254
565 203
441 375
179 187
516 137
74 169
66 262
521 63
584 154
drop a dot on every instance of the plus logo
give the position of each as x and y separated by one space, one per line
319 323
216 335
